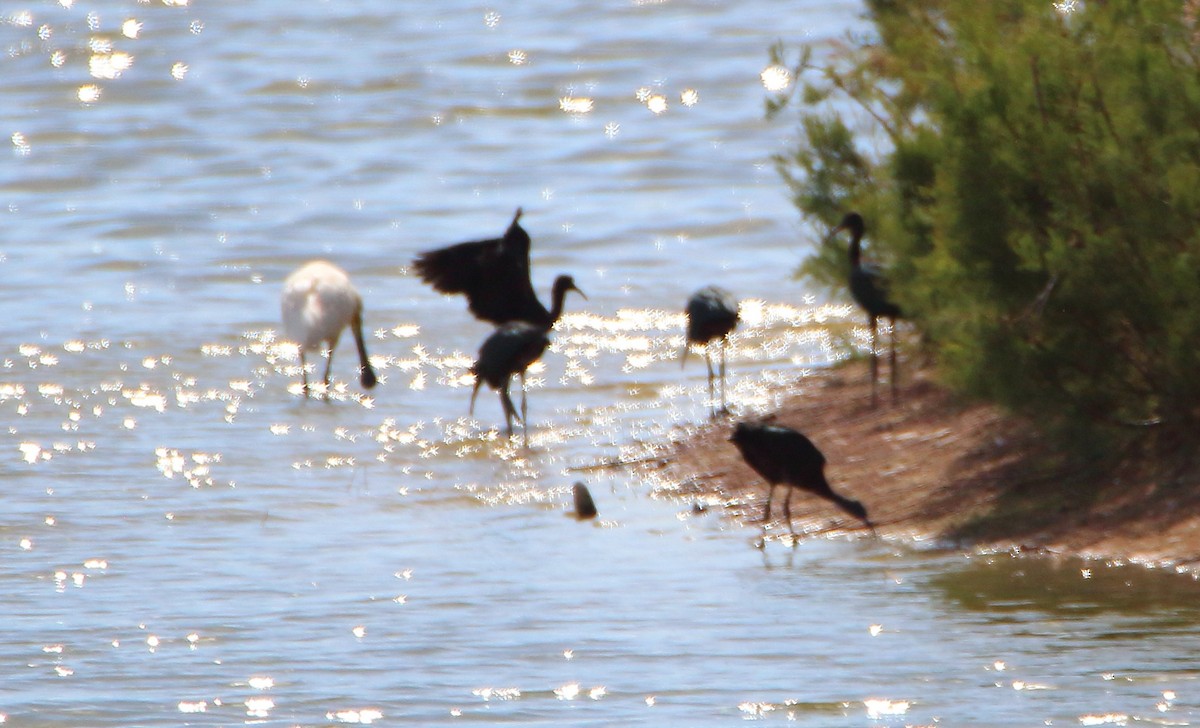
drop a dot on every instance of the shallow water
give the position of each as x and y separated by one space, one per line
185 540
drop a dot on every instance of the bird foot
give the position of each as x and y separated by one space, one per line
721 413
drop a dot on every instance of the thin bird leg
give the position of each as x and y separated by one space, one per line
787 511
892 363
329 364
767 510
712 403
475 391
524 418
509 411
304 372
724 407
874 358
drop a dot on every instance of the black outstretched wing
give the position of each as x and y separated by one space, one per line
493 274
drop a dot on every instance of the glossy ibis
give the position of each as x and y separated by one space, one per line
869 289
318 302
712 313
510 349
783 456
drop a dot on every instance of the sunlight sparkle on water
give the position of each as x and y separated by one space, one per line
88 93
575 105
364 716
259 707
487 694
880 707
570 691
776 78
109 66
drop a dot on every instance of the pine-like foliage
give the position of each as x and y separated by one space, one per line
1030 171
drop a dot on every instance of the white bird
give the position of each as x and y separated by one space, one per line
318 302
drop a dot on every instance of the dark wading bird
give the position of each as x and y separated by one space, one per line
783 456
319 301
712 313
493 274
510 349
869 289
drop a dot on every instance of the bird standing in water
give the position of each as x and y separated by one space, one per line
869 289
319 301
712 313
510 349
493 274
783 456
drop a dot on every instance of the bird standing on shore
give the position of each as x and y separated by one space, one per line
869 289
318 302
783 456
510 349
712 313
493 274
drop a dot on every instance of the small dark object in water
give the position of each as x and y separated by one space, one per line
783 456
585 507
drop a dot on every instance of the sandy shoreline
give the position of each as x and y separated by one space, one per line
929 468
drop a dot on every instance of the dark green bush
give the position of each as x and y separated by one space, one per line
1031 174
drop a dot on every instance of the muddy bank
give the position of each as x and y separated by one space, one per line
930 468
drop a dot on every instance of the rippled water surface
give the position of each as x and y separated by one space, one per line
185 540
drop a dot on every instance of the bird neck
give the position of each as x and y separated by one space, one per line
557 296
856 249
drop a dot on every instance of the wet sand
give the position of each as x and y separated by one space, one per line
932 469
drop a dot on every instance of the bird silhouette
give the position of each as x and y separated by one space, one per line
318 302
712 313
783 456
493 274
510 349
869 289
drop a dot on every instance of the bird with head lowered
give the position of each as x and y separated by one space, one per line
318 303
783 456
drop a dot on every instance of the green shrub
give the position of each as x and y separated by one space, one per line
1031 174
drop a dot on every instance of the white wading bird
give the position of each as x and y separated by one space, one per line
318 302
